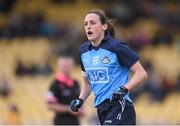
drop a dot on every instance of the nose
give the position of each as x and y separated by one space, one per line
88 27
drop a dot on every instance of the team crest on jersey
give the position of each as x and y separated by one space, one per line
105 60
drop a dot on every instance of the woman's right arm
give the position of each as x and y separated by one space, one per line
86 89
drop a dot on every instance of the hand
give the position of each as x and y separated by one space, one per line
76 104
119 95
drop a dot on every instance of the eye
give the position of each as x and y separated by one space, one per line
93 22
85 24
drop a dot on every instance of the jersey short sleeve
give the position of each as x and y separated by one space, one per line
82 66
126 56
51 94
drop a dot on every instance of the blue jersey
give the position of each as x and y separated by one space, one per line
106 66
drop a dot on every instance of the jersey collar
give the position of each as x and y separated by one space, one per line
106 38
64 79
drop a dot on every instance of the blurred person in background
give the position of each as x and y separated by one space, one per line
21 69
62 90
154 84
177 84
105 64
5 86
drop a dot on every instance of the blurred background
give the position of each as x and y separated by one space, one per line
34 32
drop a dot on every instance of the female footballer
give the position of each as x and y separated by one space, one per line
106 63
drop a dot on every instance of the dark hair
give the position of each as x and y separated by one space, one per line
66 52
104 19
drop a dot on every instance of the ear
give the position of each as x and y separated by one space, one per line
105 26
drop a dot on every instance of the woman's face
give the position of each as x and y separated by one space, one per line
66 65
93 27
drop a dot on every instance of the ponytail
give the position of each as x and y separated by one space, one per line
110 28
104 19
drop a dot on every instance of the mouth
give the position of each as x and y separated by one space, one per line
89 33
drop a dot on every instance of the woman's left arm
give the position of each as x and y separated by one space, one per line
138 76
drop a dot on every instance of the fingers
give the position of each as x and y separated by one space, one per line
76 104
74 108
116 97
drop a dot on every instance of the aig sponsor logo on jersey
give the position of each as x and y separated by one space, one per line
98 75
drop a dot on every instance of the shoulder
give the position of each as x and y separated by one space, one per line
84 47
115 44
54 85
55 82
76 82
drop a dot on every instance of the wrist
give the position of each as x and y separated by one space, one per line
127 87
81 100
124 88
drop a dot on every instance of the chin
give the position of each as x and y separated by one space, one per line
90 39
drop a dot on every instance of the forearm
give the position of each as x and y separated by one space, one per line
86 89
136 79
58 107
138 76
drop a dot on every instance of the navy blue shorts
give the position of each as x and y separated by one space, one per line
119 113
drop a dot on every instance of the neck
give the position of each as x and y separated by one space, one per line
98 41
64 73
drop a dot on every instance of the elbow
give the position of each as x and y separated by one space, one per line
144 75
